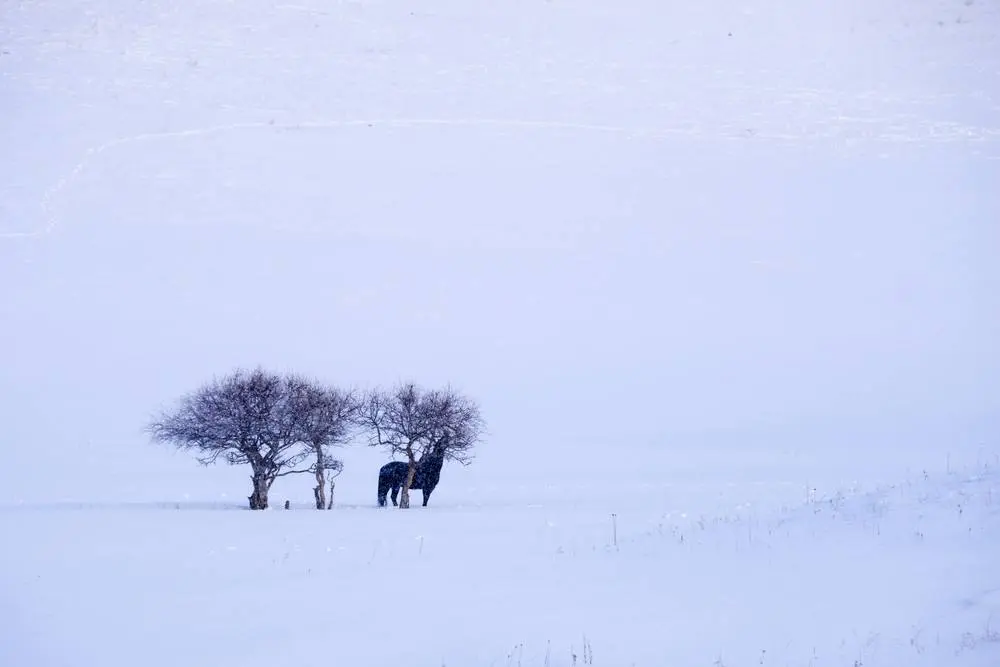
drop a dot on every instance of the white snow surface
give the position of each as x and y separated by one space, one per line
722 276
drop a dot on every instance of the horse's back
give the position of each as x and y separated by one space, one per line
393 469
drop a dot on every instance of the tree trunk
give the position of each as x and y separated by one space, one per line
319 491
261 485
330 504
404 499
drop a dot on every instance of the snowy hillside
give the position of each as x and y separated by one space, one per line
726 271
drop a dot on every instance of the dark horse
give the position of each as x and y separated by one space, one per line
393 475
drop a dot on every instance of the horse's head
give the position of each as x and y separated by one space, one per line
436 452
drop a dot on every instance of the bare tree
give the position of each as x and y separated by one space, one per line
414 422
328 417
254 418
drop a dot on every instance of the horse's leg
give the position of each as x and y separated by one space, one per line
395 492
383 489
427 495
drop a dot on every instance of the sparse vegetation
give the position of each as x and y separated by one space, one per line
273 423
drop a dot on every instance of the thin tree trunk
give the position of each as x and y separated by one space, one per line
404 499
330 504
320 489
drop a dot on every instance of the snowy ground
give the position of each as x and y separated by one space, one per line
722 276
900 575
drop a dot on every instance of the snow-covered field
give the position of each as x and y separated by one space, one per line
901 575
722 277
